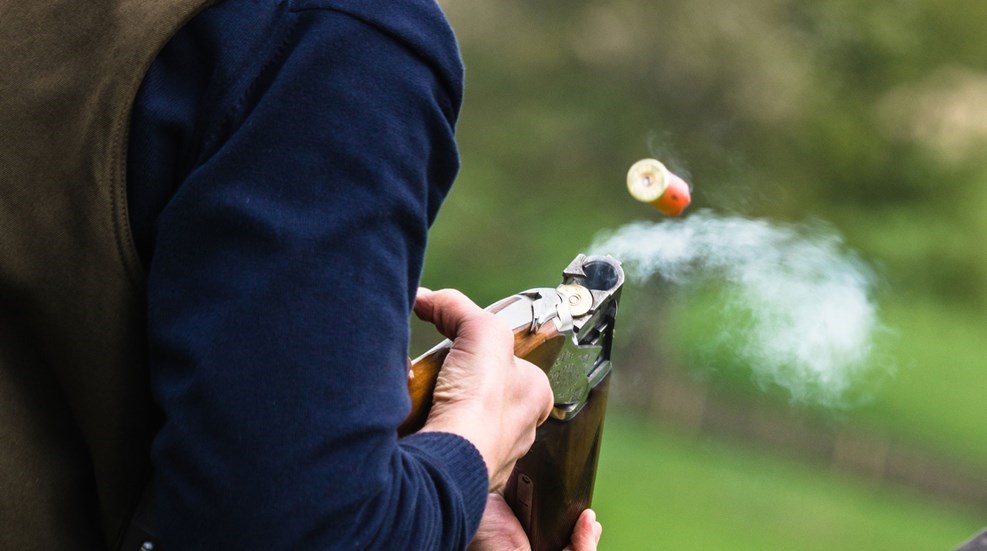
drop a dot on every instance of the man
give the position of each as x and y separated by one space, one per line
285 161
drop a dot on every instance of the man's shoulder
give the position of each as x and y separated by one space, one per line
419 24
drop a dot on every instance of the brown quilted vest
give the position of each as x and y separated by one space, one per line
75 415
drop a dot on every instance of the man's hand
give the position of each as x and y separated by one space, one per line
500 530
483 392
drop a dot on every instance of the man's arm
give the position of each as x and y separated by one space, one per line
282 269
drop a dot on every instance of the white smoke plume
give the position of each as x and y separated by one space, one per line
809 317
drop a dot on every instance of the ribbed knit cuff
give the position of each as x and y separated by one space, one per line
462 463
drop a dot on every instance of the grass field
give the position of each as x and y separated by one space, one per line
660 490
936 398
932 399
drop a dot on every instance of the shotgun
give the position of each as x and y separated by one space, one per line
567 331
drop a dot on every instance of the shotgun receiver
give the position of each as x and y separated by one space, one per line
567 332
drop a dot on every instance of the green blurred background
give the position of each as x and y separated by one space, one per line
870 116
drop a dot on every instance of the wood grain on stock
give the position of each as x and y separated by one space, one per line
540 348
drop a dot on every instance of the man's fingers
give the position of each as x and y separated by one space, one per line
456 316
499 529
483 333
539 391
447 309
587 532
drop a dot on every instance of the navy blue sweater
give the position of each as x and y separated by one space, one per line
286 160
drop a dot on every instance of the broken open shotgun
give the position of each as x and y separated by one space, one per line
567 331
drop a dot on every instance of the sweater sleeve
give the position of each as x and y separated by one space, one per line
282 267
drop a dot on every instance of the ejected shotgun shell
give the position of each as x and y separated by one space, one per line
650 182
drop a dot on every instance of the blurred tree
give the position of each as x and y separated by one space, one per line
865 114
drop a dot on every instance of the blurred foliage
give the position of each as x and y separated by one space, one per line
867 115
871 116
